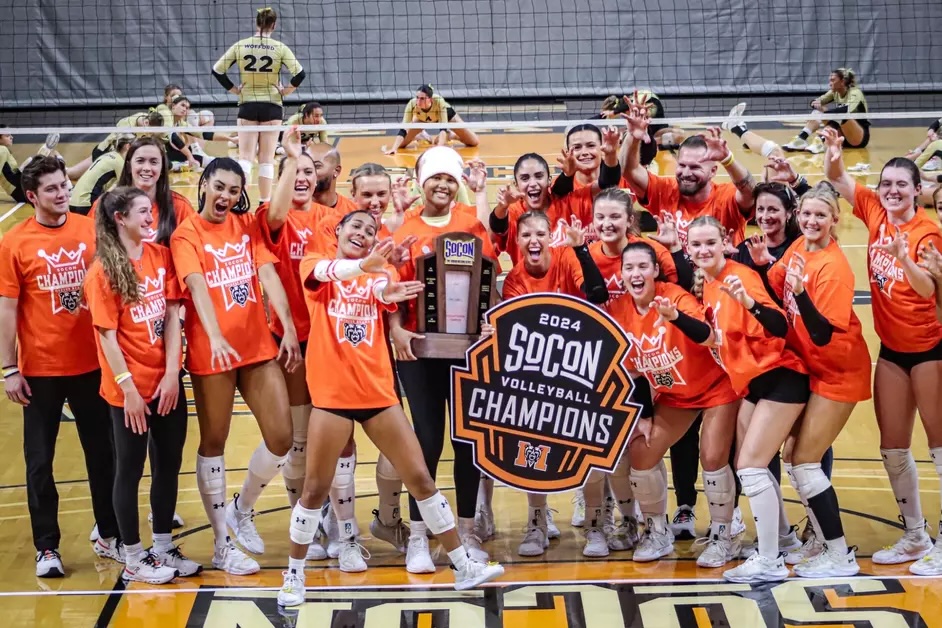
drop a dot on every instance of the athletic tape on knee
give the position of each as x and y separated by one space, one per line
720 487
436 513
650 490
211 475
304 524
246 167
768 147
811 480
266 171
755 481
300 417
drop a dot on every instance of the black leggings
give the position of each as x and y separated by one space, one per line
164 438
427 384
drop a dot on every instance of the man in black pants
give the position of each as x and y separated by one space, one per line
48 351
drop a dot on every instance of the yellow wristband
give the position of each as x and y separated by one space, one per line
726 163
120 377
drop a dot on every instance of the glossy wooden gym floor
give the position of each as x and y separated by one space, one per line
563 590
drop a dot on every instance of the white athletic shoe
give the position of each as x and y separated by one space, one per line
928 565
49 564
808 551
52 140
935 163
578 510
175 559
535 542
396 535
418 559
735 116
624 536
177 520
292 591
653 545
316 551
737 526
148 569
596 545
232 560
829 564
721 547
796 144
332 531
472 543
242 525
789 542
94 536
476 573
914 545
352 556
682 523
113 549
484 526
758 568
552 531
816 147
423 136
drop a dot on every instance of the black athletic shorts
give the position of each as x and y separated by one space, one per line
303 344
865 125
642 395
260 111
359 415
780 384
907 360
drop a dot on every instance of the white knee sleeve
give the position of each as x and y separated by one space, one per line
304 524
211 475
768 147
719 486
246 168
436 513
343 475
266 171
755 481
385 470
650 489
811 480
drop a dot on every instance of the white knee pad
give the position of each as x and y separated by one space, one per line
650 488
246 167
811 479
211 475
343 475
304 524
768 147
719 486
755 481
436 513
266 171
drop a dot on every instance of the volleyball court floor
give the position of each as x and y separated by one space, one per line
562 589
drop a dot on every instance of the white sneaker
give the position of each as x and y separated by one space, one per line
476 573
352 556
682 523
49 564
175 559
94 536
596 545
578 510
816 147
396 535
624 536
232 560
829 564
935 163
423 136
758 568
472 543
808 551
721 547
418 559
914 545
484 526
653 545
789 542
113 549
242 525
796 144
292 591
148 569
52 140
177 520
928 565
737 527
332 531
552 531
535 542
316 551
735 116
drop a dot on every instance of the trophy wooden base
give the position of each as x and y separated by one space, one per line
447 346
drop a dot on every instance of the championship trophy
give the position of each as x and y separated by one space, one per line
460 286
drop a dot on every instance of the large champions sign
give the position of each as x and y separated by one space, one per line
545 398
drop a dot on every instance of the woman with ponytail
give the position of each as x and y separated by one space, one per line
134 299
223 265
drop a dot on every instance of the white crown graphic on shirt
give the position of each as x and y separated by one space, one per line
649 344
304 233
152 287
63 258
229 252
613 282
350 290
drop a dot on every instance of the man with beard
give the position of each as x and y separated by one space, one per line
327 169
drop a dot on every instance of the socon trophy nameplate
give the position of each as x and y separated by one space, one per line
460 286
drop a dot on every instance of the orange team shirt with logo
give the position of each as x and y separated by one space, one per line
139 326
43 268
664 196
575 205
682 373
610 267
181 208
351 368
325 240
425 234
904 321
840 370
743 346
564 276
228 256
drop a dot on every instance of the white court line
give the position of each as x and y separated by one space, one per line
11 211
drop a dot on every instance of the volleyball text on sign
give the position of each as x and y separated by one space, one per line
544 399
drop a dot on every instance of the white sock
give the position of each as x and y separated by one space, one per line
485 492
901 469
389 487
348 528
720 489
211 482
133 553
163 542
789 470
418 528
296 565
784 525
343 489
650 489
459 557
263 467
936 454
293 471
759 486
620 483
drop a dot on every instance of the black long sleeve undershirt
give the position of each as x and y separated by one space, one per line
684 269
698 331
223 80
773 321
562 186
819 328
499 225
594 284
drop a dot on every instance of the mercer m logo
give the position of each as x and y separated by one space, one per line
532 456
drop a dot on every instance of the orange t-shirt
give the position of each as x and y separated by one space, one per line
840 370
664 196
564 276
576 205
351 368
325 238
425 233
43 269
682 373
610 267
743 346
181 207
139 326
457 207
904 321
228 256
